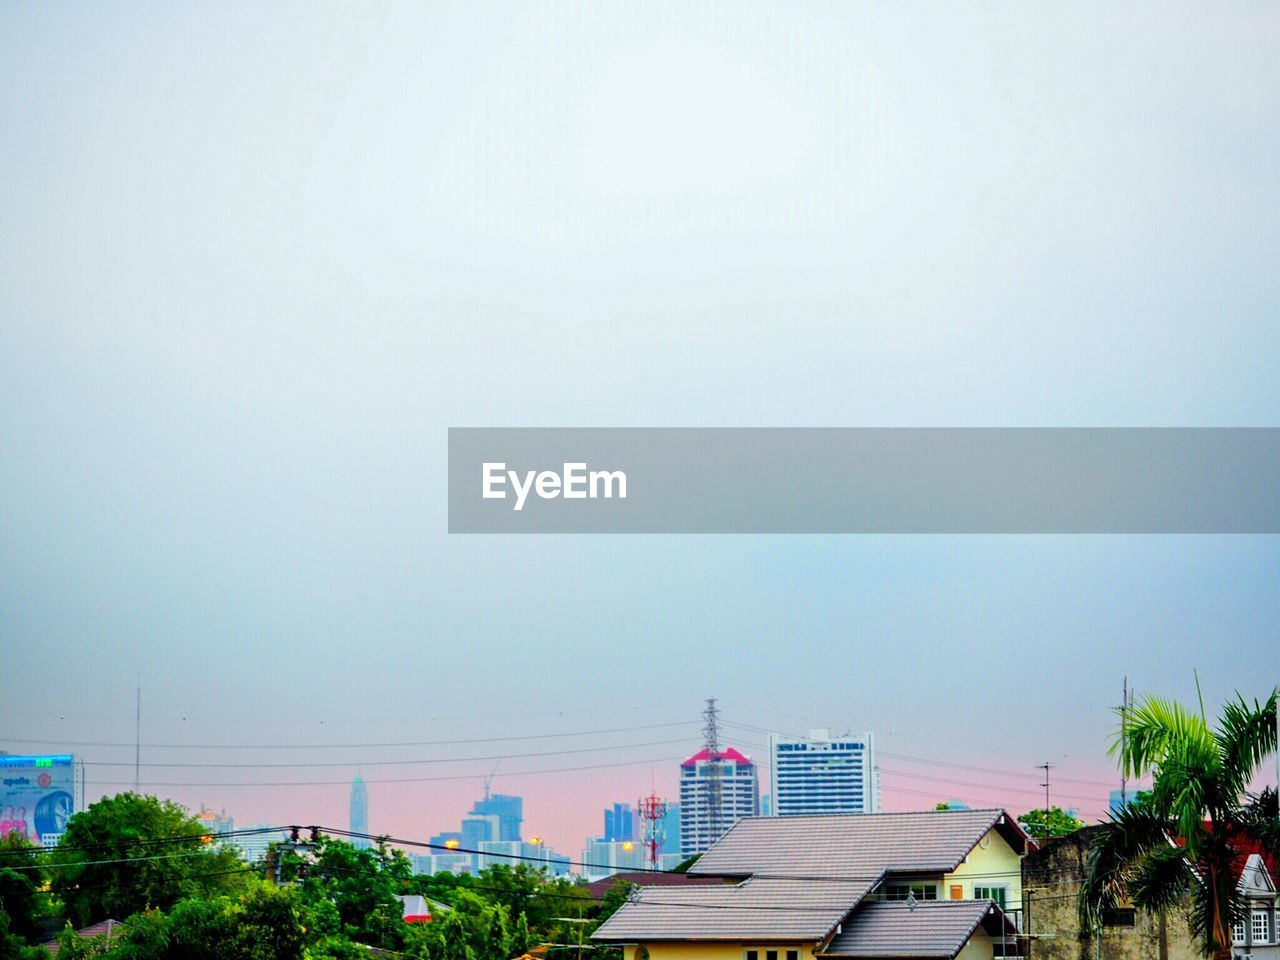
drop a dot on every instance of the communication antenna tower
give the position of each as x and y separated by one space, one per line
652 829
711 733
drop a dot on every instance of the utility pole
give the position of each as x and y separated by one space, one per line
1045 767
137 740
711 733
1124 720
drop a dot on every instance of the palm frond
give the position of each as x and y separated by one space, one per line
1259 819
1161 879
1150 728
1115 851
1246 734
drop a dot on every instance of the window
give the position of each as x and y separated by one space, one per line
901 891
1261 926
771 955
1237 932
998 894
1119 917
751 955
793 955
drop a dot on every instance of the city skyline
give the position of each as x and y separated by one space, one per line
913 783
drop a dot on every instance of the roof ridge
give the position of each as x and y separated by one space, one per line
877 813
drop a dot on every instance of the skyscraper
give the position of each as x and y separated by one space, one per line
359 808
619 823
819 774
508 809
734 776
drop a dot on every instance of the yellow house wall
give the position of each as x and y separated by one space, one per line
978 948
715 951
993 865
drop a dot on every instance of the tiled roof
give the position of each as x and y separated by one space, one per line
756 909
805 874
599 889
854 845
105 928
928 929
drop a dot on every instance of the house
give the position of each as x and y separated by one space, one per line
599 889
938 884
1254 936
415 908
106 931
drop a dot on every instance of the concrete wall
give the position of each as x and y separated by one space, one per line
1051 879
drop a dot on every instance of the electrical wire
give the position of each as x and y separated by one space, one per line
342 746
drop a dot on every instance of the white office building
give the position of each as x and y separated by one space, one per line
823 774
739 791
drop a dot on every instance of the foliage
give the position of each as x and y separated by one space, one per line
361 885
109 863
475 929
21 876
1053 822
1175 843
12 946
263 923
685 865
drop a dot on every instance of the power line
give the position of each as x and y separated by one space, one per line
343 746
392 763
459 776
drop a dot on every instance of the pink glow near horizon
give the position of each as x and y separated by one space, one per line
567 807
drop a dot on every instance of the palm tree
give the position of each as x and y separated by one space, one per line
1175 843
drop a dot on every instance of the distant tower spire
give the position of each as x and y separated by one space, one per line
359 809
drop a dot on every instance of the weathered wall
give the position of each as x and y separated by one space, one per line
1051 879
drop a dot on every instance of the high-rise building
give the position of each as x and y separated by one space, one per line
619 823
359 810
822 774
478 829
508 809
604 857
253 846
671 831
728 774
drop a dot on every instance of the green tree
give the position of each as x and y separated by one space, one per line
1176 843
127 853
269 925
196 929
1053 822
21 876
362 884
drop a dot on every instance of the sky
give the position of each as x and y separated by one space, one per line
255 260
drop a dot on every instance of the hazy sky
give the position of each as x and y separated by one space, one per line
256 259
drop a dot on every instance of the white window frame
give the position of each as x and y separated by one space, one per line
1003 887
1265 926
908 886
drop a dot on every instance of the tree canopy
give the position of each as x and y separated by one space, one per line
128 853
1177 842
1053 822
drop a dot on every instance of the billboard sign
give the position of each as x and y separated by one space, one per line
37 795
